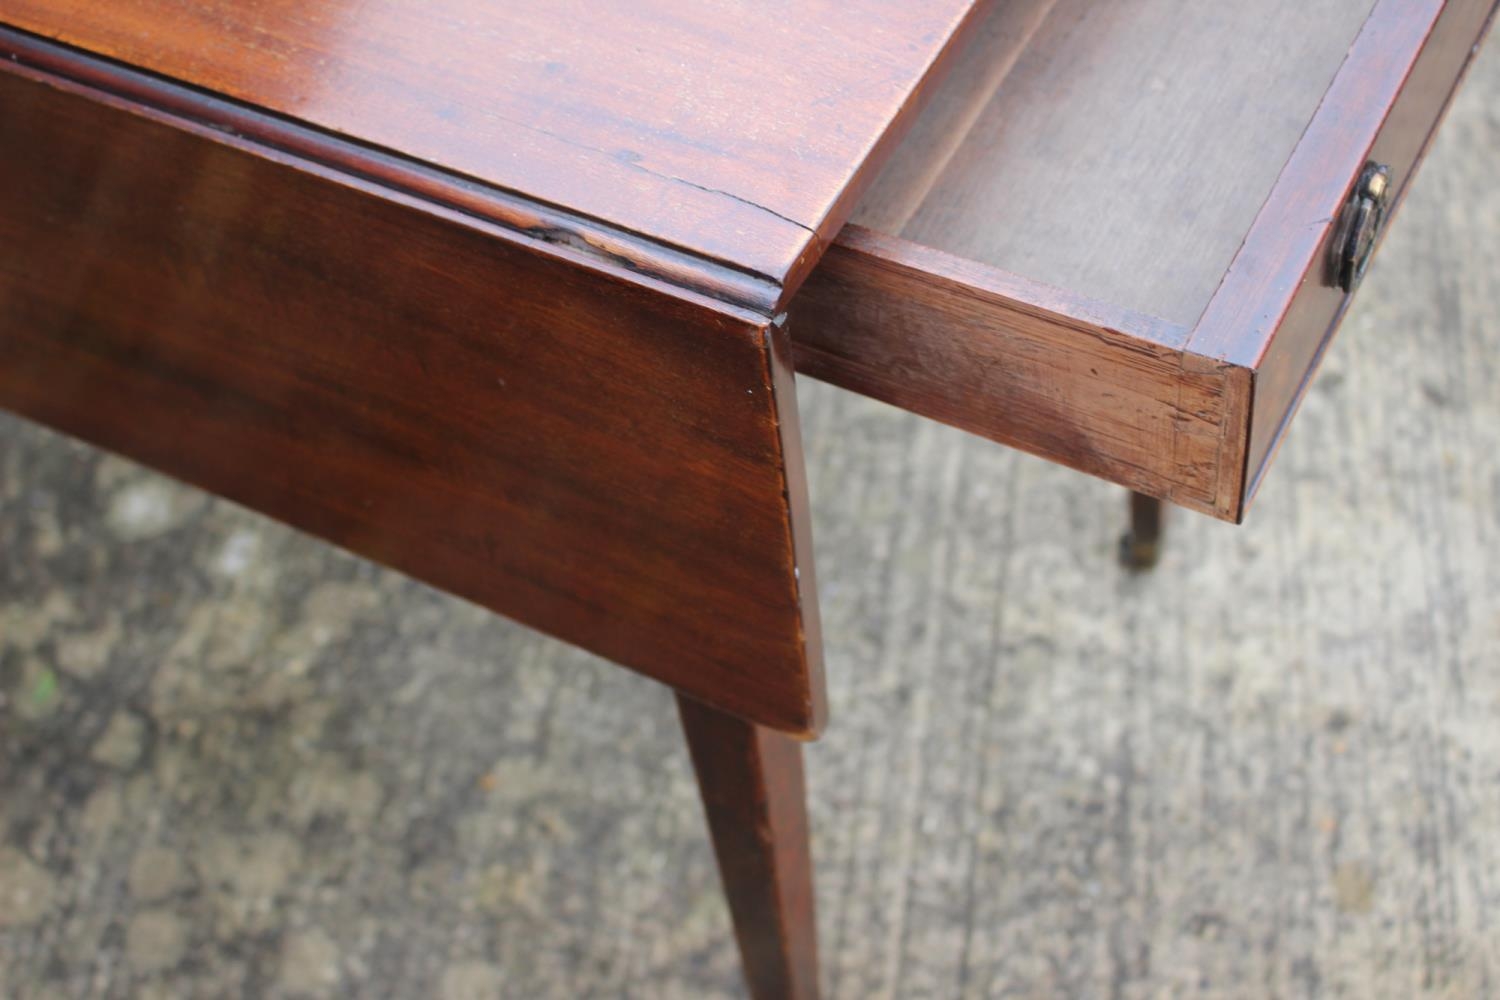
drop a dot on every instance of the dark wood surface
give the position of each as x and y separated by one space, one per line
755 799
590 453
734 132
1062 349
1102 389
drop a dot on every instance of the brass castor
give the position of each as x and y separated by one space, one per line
1140 546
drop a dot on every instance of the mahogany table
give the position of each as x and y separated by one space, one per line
509 296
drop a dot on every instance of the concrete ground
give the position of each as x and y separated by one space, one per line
235 762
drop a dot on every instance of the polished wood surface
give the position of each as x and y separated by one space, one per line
735 132
1157 329
588 452
755 799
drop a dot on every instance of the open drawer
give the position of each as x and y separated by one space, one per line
1121 235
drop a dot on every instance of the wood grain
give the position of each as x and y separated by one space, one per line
1102 390
754 794
1185 408
592 455
730 131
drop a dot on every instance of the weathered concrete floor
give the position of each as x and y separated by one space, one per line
238 763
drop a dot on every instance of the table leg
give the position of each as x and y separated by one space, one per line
1140 546
751 781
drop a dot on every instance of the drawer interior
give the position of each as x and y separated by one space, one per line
1106 239
1126 147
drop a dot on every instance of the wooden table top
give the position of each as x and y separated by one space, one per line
736 132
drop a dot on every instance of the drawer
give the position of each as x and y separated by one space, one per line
1121 236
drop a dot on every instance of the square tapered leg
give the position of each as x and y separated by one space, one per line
753 791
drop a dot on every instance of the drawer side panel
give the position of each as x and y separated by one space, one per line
1105 391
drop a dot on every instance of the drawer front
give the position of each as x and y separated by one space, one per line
587 454
1281 302
1186 411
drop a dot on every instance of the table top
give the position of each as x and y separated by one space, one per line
737 133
